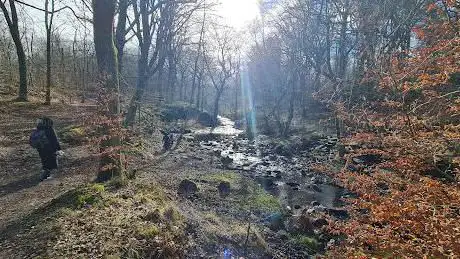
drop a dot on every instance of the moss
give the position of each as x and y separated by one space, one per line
86 199
255 198
79 131
73 134
91 195
66 212
264 201
98 188
148 231
146 193
309 242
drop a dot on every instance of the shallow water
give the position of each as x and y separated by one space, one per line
226 127
281 176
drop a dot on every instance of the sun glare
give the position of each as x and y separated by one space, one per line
237 13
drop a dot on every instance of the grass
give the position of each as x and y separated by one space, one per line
265 201
135 219
255 198
246 194
91 195
173 215
148 231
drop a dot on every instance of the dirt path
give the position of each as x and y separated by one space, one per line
21 192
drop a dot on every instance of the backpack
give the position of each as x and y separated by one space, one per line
38 139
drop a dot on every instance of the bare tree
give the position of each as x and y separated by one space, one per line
221 64
49 15
155 28
11 18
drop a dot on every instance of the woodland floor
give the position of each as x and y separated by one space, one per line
25 201
35 220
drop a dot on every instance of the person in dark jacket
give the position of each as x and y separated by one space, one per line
50 149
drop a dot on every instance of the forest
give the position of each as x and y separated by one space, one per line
229 129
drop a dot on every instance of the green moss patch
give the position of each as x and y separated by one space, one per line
73 134
309 242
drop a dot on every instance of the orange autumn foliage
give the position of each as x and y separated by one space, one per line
408 204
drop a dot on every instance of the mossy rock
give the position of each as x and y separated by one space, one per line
73 134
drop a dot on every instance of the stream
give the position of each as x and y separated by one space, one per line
281 171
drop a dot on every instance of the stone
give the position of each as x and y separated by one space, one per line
338 213
330 244
315 188
316 180
318 223
268 183
224 188
265 163
216 151
299 224
275 221
291 184
226 160
309 211
314 203
369 159
187 188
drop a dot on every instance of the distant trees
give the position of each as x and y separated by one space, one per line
153 23
387 73
156 26
11 17
221 60
331 45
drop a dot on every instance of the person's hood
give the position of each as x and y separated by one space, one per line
44 123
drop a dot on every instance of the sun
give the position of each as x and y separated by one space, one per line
238 13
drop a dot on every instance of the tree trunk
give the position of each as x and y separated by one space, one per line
172 77
49 24
142 65
48 68
142 78
22 60
287 125
215 112
121 31
195 67
13 26
103 15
